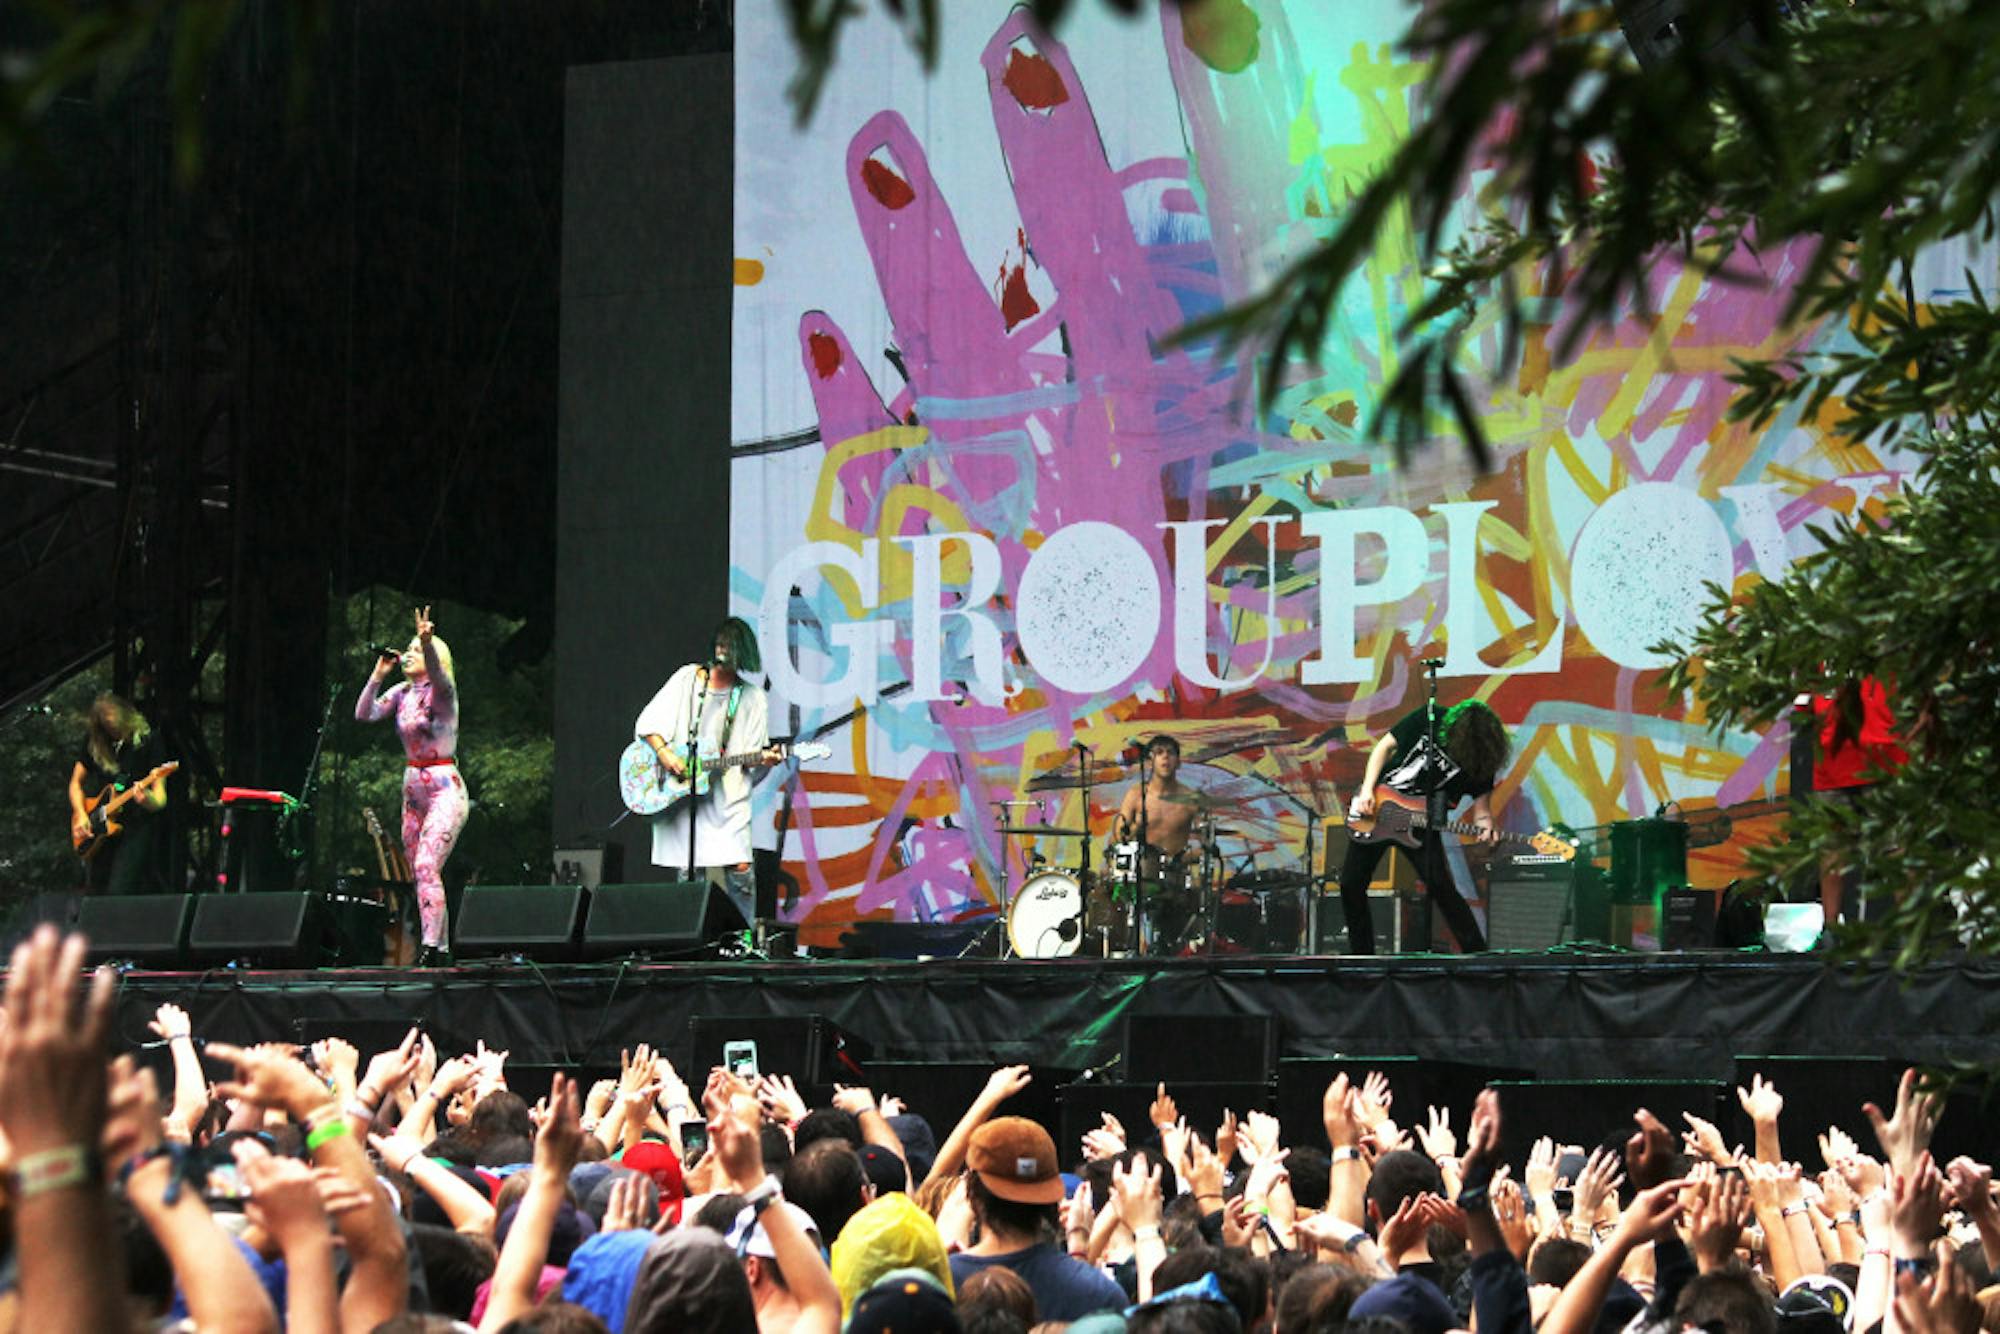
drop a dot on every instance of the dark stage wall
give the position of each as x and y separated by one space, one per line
1673 1033
643 468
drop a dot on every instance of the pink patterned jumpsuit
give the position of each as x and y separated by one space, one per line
435 802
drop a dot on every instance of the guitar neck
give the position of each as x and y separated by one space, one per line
734 761
1464 827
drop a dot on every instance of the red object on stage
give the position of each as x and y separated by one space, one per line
233 796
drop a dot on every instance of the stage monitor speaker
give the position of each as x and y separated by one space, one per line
1210 1048
55 908
1528 912
144 928
276 930
1591 1112
810 1048
677 917
539 922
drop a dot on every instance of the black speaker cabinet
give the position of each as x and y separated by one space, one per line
678 917
279 930
144 928
1402 921
535 921
1209 1048
57 908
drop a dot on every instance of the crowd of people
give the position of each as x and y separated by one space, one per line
308 1189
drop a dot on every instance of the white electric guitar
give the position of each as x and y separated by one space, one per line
649 787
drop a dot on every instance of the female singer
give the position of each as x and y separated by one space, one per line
435 803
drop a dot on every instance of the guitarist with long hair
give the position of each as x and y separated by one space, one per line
1472 750
120 749
714 710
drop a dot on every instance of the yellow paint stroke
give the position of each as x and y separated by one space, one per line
749 272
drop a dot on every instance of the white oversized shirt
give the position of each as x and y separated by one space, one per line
722 818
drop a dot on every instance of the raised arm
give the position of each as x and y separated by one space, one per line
222 1291
52 1108
556 1148
375 703
378 1282
732 1133
170 1022
437 663
1001 1085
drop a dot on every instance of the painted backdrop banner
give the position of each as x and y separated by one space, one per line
984 514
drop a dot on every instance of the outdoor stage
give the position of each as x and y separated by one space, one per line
1674 1031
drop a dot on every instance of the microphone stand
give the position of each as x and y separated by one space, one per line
700 702
1434 799
1141 943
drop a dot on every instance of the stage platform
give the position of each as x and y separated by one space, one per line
1678 1031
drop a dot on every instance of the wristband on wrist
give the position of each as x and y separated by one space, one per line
1791 1210
1472 1195
57 1169
1148 1230
361 1110
320 1135
178 1172
1882 1251
1919 1265
1347 1153
1354 1243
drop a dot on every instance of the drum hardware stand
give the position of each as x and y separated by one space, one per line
1006 950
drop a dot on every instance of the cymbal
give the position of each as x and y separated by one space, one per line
1067 777
1054 831
1195 797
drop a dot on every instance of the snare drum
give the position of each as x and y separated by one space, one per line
1045 921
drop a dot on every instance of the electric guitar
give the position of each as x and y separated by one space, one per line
100 808
1402 819
649 788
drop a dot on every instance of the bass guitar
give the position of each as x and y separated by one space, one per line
100 809
649 788
1402 819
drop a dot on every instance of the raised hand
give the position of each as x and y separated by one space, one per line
1651 1215
893 1106
170 1022
1540 1176
1003 1084
1907 1134
1761 1101
1337 1113
280 1195
397 1152
391 1070
1703 1140
1649 1152
1174 1143
1835 1145
854 1101
1260 1134
1510 1211
1598 1181
560 1140
1942 1302
269 1075
1970 1187
1716 1220
1225 1137
1371 1105
1163 1112
780 1099
132 1112
1916 1205
52 1079
1136 1194
425 629
631 1207
1435 1134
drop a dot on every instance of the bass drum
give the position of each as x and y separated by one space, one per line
1045 920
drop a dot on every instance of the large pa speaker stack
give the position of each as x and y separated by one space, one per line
677 918
540 922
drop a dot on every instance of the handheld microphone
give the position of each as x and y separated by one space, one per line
1433 664
387 654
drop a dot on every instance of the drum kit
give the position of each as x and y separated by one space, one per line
1145 899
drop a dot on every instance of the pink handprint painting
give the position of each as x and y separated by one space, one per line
987 511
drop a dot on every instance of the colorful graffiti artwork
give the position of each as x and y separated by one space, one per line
985 512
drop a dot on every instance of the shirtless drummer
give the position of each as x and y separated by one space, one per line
1169 809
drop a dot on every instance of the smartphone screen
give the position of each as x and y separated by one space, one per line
740 1058
694 1140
